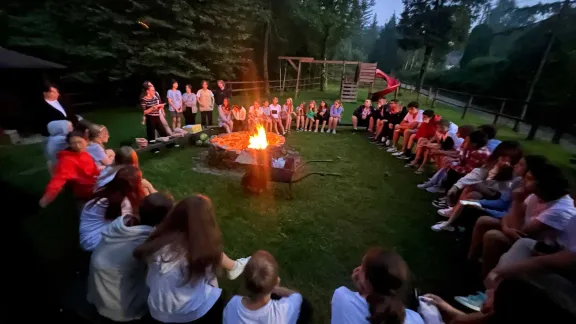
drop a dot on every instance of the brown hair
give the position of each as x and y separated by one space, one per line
126 156
465 130
127 184
94 130
189 231
387 273
261 274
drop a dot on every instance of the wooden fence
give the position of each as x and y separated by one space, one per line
275 85
501 108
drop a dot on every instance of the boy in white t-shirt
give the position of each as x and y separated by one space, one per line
262 281
408 126
275 111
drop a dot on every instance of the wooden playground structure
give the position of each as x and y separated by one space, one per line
365 73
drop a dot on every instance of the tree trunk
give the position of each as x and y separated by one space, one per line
557 136
265 58
423 67
324 72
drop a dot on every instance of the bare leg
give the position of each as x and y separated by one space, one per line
311 124
483 225
289 123
317 123
275 125
281 126
173 122
323 124
406 139
297 122
371 125
227 263
147 187
178 122
495 243
355 122
396 136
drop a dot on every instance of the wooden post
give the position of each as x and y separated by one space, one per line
396 93
298 79
434 98
280 85
428 96
500 112
468 105
285 73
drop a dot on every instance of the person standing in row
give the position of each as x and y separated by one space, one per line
221 92
150 103
205 99
175 105
190 107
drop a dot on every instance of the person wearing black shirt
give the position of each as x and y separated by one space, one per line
54 108
391 118
220 93
361 116
378 114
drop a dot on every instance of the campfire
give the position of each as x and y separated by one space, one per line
259 140
227 147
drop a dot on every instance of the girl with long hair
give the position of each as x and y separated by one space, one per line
335 116
266 116
287 113
98 136
150 103
300 112
380 280
126 156
119 197
205 99
225 116
323 115
184 254
310 115
75 166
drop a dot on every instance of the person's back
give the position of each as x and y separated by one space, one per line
261 281
78 168
117 281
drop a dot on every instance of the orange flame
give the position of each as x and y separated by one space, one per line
258 141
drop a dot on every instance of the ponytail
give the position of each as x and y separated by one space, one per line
387 309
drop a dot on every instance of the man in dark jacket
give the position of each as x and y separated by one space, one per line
52 108
220 93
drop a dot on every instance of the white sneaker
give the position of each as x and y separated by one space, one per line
392 150
322 130
435 189
397 153
424 185
334 131
443 226
446 212
387 142
238 269
315 131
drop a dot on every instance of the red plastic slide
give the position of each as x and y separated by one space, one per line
392 84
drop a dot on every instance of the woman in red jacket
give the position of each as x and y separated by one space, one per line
76 166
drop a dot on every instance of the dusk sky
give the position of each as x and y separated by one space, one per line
386 8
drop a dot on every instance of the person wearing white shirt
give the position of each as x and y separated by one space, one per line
238 118
205 99
275 111
408 126
378 281
266 301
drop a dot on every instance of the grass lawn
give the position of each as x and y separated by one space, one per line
318 237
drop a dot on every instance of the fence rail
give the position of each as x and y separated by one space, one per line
275 85
511 109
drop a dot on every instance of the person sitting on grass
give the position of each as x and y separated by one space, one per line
540 211
300 116
238 118
378 115
184 254
336 111
265 301
99 136
58 129
323 115
490 132
425 131
385 127
126 156
489 180
287 114
174 97
310 116
443 139
117 281
380 281
408 126
275 114
119 197
74 166
473 203
361 116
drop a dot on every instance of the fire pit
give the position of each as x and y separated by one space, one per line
226 147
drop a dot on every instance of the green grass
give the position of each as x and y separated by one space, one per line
318 237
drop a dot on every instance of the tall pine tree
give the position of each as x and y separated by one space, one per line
385 51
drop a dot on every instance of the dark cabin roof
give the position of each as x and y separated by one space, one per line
14 60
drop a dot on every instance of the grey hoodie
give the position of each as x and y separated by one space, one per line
117 281
58 129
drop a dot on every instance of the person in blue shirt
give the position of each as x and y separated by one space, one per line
490 132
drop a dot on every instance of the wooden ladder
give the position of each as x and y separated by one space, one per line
348 91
